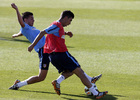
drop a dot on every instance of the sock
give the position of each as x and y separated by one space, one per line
60 79
94 92
20 84
89 78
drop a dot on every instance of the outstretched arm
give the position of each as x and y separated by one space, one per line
20 20
40 35
17 35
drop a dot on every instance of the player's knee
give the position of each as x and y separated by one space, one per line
42 78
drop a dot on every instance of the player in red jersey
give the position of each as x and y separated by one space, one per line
58 52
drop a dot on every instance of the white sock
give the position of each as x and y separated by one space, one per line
22 83
60 79
94 92
89 78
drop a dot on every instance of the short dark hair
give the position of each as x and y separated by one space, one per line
26 15
67 13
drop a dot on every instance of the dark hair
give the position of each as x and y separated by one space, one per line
67 13
26 15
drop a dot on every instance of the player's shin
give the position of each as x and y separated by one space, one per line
60 79
20 84
94 92
88 77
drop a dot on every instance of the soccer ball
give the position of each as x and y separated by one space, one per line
87 90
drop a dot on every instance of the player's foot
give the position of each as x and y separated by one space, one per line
15 87
56 87
101 94
94 79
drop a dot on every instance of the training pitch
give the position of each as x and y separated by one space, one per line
106 41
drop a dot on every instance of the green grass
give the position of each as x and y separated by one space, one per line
106 40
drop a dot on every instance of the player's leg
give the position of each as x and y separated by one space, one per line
56 83
44 66
42 75
67 74
31 80
80 73
64 76
56 59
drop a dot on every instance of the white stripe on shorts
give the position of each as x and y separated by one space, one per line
72 59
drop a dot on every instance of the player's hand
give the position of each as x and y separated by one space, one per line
70 34
14 35
14 6
30 48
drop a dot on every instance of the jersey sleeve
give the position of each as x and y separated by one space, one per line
53 29
24 28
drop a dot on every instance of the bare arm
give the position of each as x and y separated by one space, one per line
40 35
17 35
20 20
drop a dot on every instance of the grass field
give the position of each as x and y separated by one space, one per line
106 40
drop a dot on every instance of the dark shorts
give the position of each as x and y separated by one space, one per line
44 60
63 61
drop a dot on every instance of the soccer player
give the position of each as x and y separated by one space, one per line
58 52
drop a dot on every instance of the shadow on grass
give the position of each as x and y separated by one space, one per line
20 40
107 97
11 39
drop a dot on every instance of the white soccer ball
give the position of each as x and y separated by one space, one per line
87 90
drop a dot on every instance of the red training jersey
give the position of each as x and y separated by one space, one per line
55 39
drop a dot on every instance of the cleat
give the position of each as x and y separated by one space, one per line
101 94
94 79
15 87
56 87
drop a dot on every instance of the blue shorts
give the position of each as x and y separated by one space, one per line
63 61
44 60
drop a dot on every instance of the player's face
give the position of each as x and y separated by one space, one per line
68 21
30 20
